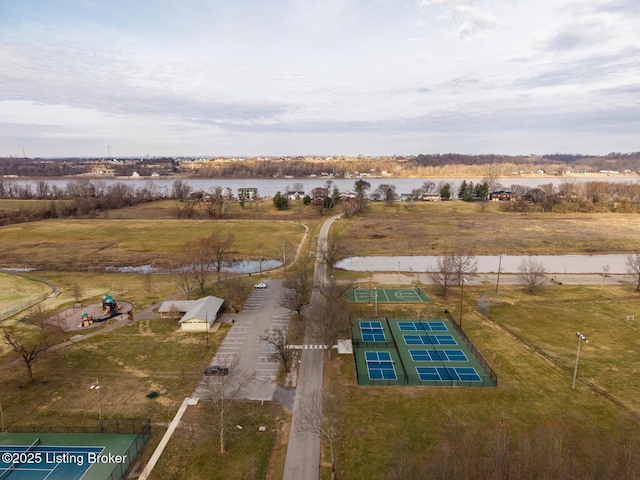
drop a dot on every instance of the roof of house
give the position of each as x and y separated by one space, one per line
203 308
208 309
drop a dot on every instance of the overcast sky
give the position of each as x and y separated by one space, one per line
295 77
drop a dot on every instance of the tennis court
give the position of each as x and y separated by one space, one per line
67 456
415 352
387 295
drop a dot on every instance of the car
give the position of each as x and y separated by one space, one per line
216 370
260 285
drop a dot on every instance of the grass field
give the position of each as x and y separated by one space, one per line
17 293
427 428
436 229
529 341
82 244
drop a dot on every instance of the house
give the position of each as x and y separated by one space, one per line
247 194
431 197
502 196
198 315
295 195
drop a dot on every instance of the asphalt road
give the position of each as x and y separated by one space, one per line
302 461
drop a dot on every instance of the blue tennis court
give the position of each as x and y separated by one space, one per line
37 462
372 332
422 326
438 355
380 366
429 340
465 374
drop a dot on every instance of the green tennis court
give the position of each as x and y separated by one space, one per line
68 456
387 295
416 352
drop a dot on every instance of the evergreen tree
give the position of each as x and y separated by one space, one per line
280 201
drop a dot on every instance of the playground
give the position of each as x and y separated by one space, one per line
82 317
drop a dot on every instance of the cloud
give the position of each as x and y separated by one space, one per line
473 22
419 24
578 34
585 70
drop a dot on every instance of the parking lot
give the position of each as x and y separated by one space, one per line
245 351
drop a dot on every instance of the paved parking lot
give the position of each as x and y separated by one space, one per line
243 348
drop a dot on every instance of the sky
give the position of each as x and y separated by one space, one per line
318 77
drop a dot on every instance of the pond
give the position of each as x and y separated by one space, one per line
565 264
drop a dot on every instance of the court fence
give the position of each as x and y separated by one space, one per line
121 469
415 380
142 429
109 425
472 347
491 379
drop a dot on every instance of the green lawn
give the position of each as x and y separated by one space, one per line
464 431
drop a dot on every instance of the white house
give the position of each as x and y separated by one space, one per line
198 315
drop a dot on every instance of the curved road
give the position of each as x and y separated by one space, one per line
303 451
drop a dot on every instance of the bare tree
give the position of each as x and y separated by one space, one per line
225 389
185 277
235 288
286 250
327 322
280 348
298 285
76 291
28 353
464 264
319 416
216 202
532 273
221 245
147 282
451 269
443 275
180 189
333 249
633 268
386 192
198 255
39 316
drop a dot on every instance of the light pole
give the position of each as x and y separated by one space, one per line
605 269
499 267
398 274
1 419
581 338
375 299
464 281
96 386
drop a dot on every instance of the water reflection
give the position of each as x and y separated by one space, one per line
244 266
567 264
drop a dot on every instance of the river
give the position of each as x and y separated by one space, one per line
269 186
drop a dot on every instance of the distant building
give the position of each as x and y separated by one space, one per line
502 196
295 195
247 194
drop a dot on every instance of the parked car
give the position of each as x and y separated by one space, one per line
260 285
216 370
